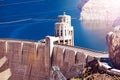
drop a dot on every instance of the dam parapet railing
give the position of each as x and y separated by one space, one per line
87 49
93 53
21 40
43 42
26 40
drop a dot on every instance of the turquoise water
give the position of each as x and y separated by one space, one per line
34 19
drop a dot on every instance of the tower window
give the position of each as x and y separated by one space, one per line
65 32
64 20
61 33
67 21
57 32
71 32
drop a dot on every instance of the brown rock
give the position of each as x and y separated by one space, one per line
89 59
113 39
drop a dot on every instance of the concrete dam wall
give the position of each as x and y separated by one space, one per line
32 61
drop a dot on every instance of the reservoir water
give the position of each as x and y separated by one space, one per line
34 19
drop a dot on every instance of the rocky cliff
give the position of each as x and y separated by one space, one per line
113 39
100 9
97 14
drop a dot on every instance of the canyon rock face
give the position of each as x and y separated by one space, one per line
82 3
99 14
113 39
99 9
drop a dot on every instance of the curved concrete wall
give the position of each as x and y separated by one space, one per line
31 60
26 59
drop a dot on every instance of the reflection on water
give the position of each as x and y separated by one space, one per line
95 33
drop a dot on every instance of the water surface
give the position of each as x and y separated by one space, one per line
28 19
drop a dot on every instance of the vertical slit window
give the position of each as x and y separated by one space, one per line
61 33
57 32
65 32
71 32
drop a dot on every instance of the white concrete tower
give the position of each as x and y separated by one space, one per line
64 30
